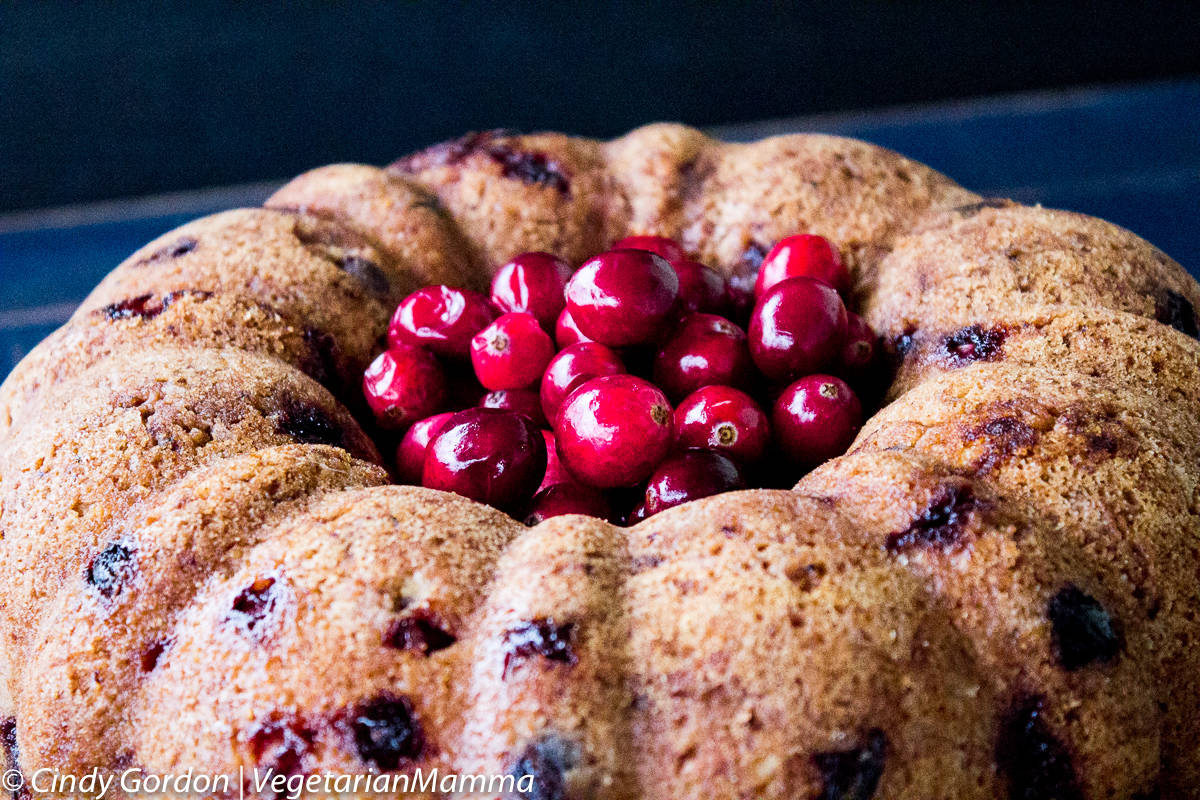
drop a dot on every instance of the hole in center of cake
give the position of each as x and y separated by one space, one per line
639 381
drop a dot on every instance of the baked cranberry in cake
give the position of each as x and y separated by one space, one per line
572 366
511 352
816 418
723 419
612 431
522 401
493 456
566 332
532 283
802 256
410 453
701 289
664 246
691 475
567 498
402 385
704 350
797 329
441 318
623 297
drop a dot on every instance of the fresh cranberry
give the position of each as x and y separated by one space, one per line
555 471
566 332
638 514
664 246
797 328
441 318
571 367
802 256
567 498
522 401
493 456
613 430
623 297
701 288
705 350
858 348
691 475
512 352
723 419
404 384
816 419
410 453
533 283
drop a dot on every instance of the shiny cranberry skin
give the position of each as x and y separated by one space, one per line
638 514
532 283
803 256
572 366
664 246
567 498
522 401
404 384
701 288
704 350
612 431
410 453
493 456
623 297
566 332
441 318
512 352
725 420
858 349
816 419
691 475
555 471
797 328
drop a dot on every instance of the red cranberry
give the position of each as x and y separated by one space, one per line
512 352
664 246
802 256
571 367
522 401
441 318
797 328
623 297
638 514
858 349
701 289
816 419
723 419
555 471
567 498
404 384
410 453
493 456
533 283
613 430
566 332
705 350
691 475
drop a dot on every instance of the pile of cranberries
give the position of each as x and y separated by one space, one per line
627 386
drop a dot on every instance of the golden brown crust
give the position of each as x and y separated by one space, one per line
992 595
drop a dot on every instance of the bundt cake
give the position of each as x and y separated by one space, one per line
205 563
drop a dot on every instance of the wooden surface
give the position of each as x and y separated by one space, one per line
1130 155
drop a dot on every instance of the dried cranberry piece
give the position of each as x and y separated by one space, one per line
853 774
1083 631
